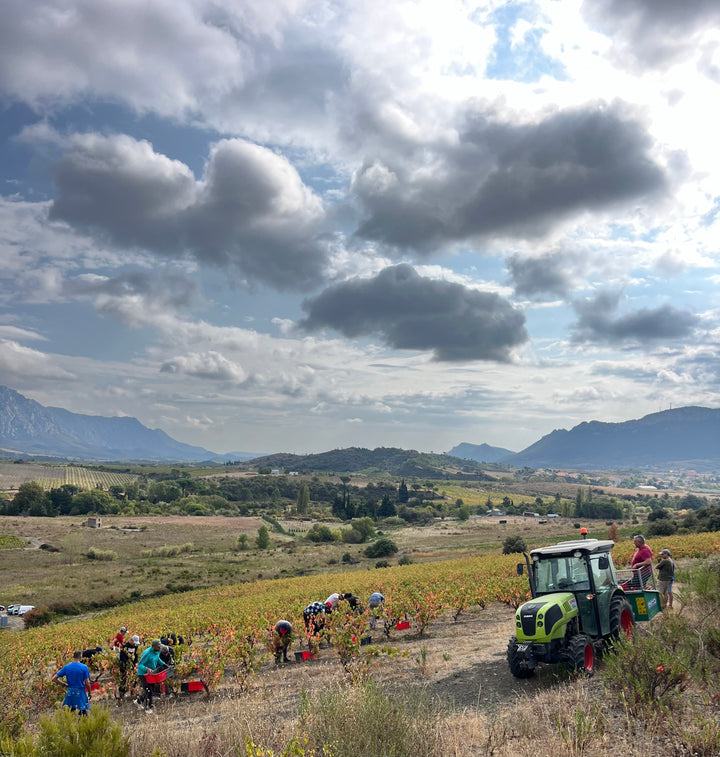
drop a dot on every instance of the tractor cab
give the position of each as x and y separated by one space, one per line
583 567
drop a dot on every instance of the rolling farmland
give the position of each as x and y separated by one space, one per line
54 476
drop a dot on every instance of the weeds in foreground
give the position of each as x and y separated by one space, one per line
67 734
348 721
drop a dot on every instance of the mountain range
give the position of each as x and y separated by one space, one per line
27 428
686 437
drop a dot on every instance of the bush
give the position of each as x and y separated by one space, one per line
382 564
101 554
64 734
348 558
319 533
514 544
352 536
381 548
405 560
381 724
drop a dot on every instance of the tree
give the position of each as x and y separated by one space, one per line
387 508
403 494
93 501
242 543
365 526
320 533
262 540
381 548
303 499
31 499
463 513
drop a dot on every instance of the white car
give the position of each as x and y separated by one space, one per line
22 609
12 609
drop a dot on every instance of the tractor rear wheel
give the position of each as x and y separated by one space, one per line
580 655
516 660
621 619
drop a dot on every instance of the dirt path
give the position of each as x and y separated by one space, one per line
460 663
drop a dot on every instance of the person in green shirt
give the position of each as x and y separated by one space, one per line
666 575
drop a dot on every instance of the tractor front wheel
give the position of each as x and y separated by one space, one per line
580 655
516 660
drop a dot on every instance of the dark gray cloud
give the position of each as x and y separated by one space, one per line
550 275
411 312
504 179
250 210
598 322
652 32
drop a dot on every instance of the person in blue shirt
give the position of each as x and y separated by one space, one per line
77 679
376 603
150 662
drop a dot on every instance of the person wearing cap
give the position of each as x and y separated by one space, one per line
282 638
641 562
127 658
150 662
666 575
119 639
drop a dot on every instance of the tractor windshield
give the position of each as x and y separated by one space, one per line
561 574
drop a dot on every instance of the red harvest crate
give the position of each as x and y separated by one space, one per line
156 677
192 686
94 686
402 625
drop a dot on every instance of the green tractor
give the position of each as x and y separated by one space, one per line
580 605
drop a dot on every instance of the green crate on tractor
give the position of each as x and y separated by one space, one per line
580 606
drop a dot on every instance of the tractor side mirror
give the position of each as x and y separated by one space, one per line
603 563
520 568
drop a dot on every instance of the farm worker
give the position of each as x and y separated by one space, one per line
641 562
314 617
119 639
332 602
666 575
282 638
127 658
355 604
88 654
77 680
150 662
167 655
376 603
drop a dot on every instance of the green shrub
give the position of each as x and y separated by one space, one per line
106 555
381 548
513 544
320 533
382 564
65 734
352 536
364 720
405 560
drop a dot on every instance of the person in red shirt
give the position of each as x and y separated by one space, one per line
641 561
119 641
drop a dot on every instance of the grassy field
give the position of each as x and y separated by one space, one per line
44 576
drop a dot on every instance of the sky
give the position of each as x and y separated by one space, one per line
296 226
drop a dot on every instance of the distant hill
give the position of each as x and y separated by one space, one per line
27 428
686 437
397 462
481 453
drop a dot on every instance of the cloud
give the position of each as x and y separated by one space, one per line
207 365
653 32
17 362
503 179
410 312
597 322
553 274
250 210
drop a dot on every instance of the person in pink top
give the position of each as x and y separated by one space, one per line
641 561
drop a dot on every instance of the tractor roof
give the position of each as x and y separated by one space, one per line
564 548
